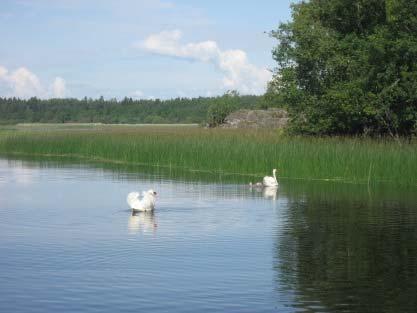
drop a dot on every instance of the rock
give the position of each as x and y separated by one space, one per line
271 118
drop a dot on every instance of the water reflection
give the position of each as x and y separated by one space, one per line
142 222
119 170
335 248
347 251
270 193
267 192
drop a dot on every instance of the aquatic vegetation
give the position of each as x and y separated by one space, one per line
238 152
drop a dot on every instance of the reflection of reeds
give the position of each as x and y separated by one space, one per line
253 152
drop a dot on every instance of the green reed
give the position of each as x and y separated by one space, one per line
241 152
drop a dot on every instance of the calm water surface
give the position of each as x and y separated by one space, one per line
68 243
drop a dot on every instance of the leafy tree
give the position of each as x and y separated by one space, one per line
223 106
348 67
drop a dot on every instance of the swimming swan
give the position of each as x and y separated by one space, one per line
147 203
269 181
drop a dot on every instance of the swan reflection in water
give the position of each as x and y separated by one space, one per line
143 222
267 192
270 193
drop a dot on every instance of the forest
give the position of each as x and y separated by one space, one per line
179 110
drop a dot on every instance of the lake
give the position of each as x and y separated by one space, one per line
69 243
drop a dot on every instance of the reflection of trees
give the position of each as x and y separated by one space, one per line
344 249
122 171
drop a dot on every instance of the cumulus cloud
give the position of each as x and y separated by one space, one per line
22 83
59 89
137 94
3 72
238 72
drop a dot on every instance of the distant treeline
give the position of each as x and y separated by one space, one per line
87 110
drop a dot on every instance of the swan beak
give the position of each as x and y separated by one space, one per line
155 193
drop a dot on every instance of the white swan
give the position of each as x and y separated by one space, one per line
269 181
147 203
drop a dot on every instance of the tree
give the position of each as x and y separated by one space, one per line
223 106
348 67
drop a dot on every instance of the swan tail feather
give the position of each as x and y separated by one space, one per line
132 198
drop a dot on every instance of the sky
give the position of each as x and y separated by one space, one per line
136 48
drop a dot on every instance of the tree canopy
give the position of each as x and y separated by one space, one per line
348 67
223 106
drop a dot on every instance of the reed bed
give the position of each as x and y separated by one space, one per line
237 152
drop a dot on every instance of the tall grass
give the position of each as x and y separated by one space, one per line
245 152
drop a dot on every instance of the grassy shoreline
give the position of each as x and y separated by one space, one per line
238 152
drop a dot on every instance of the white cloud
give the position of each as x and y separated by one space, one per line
22 83
164 4
3 72
238 72
59 89
137 94
183 94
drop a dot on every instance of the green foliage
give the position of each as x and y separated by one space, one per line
223 106
179 110
348 67
225 151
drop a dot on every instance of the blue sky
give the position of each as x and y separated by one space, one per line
143 48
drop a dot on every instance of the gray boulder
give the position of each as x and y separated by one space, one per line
271 118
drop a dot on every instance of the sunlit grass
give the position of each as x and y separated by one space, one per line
245 152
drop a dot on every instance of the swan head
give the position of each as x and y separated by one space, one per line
274 170
151 192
